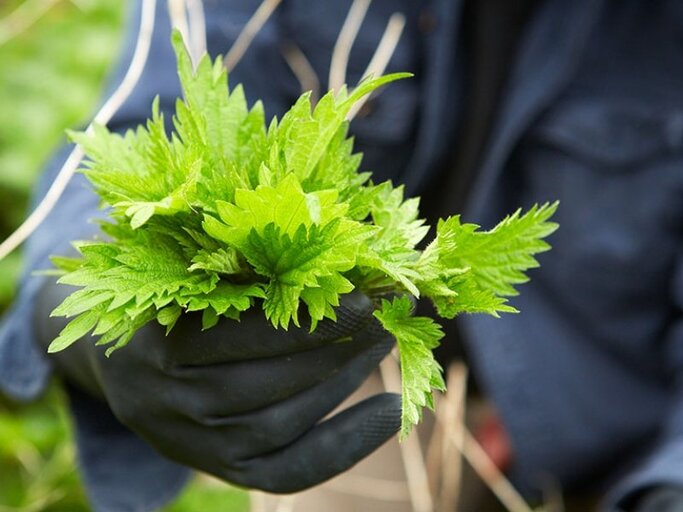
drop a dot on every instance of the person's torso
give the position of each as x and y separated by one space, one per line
592 115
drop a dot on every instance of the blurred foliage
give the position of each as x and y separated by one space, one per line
209 495
38 465
51 77
37 469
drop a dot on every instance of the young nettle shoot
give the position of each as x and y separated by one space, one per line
229 213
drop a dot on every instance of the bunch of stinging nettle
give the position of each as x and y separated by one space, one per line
229 214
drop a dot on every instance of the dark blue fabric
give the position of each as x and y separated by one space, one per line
24 371
587 378
121 472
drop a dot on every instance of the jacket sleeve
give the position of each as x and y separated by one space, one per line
121 472
24 370
663 465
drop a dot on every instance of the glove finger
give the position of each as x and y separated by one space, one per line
271 428
242 386
253 337
325 451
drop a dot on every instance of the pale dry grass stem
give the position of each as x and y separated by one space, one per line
177 11
411 451
286 503
444 463
303 70
249 32
385 50
257 501
342 47
380 489
197 24
493 477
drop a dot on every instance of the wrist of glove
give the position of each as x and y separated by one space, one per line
658 499
242 401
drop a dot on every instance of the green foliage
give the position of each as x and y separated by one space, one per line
50 78
39 468
420 373
9 270
464 270
209 495
226 214
40 471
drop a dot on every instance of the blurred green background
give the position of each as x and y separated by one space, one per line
54 58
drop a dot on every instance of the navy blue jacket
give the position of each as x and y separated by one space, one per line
587 378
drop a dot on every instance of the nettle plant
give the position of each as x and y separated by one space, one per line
229 213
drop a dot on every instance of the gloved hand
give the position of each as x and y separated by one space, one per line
659 499
242 401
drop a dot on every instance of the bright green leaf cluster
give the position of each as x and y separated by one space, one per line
228 213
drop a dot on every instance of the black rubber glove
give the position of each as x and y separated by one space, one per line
242 401
659 499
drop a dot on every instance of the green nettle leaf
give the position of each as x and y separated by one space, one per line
228 213
416 337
